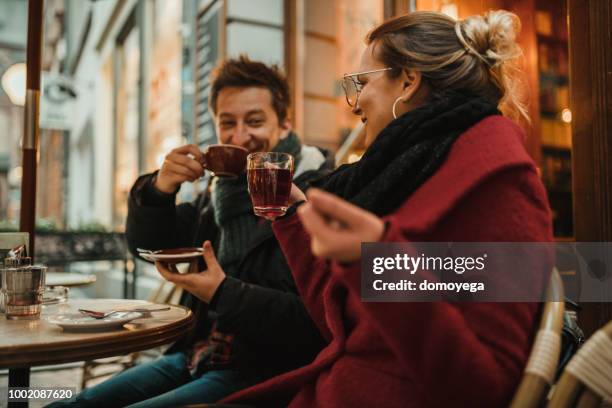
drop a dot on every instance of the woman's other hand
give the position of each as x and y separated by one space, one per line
337 227
201 284
296 195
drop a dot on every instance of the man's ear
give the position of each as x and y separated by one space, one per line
286 127
411 83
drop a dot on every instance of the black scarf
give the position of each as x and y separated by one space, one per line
406 153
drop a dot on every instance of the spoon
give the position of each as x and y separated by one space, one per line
16 252
102 315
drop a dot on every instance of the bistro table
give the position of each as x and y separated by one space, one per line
28 343
69 279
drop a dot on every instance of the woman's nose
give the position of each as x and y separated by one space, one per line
356 109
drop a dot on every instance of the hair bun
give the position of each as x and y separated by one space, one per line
493 35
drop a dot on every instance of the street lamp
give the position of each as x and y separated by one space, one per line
14 83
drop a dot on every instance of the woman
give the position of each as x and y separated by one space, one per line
443 165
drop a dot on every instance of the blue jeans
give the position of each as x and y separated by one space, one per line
165 382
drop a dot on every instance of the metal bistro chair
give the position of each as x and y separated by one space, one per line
541 366
587 378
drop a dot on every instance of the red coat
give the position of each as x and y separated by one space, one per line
423 354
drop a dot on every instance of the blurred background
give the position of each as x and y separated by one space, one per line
125 81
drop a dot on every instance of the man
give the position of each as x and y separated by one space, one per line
251 323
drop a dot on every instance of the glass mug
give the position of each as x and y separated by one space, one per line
55 294
12 263
270 176
23 288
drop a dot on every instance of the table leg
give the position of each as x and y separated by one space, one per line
19 377
134 277
126 272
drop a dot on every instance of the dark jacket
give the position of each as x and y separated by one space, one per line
260 306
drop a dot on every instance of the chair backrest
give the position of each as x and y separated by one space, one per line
587 378
166 292
540 370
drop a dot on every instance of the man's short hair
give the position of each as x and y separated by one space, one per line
241 72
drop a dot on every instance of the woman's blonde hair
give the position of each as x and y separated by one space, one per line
476 56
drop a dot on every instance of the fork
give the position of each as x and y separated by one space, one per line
102 315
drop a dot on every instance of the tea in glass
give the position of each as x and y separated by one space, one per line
270 176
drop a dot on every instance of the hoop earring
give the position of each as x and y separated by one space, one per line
394 105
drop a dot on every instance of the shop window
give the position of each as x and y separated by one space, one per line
127 62
207 53
261 11
164 110
334 40
555 115
260 43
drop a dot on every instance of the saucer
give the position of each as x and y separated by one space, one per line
175 255
80 322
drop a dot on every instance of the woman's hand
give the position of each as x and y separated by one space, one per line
201 284
296 195
338 227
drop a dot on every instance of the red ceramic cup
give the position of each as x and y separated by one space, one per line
225 160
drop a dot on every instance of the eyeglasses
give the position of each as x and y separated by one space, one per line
352 86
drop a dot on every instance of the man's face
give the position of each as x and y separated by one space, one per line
245 117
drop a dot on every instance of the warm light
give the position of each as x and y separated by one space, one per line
14 176
125 179
354 157
14 83
159 159
566 115
170 142
450 9
167 144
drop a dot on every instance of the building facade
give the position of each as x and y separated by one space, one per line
139 71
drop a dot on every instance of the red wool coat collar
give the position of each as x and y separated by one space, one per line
484 150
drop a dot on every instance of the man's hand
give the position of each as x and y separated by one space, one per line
201 284
180 165
337 227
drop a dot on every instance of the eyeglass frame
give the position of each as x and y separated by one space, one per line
358 89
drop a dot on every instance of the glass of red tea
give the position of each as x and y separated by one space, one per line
270 176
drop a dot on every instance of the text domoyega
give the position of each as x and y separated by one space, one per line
412 264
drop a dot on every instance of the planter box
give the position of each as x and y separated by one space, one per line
62 247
